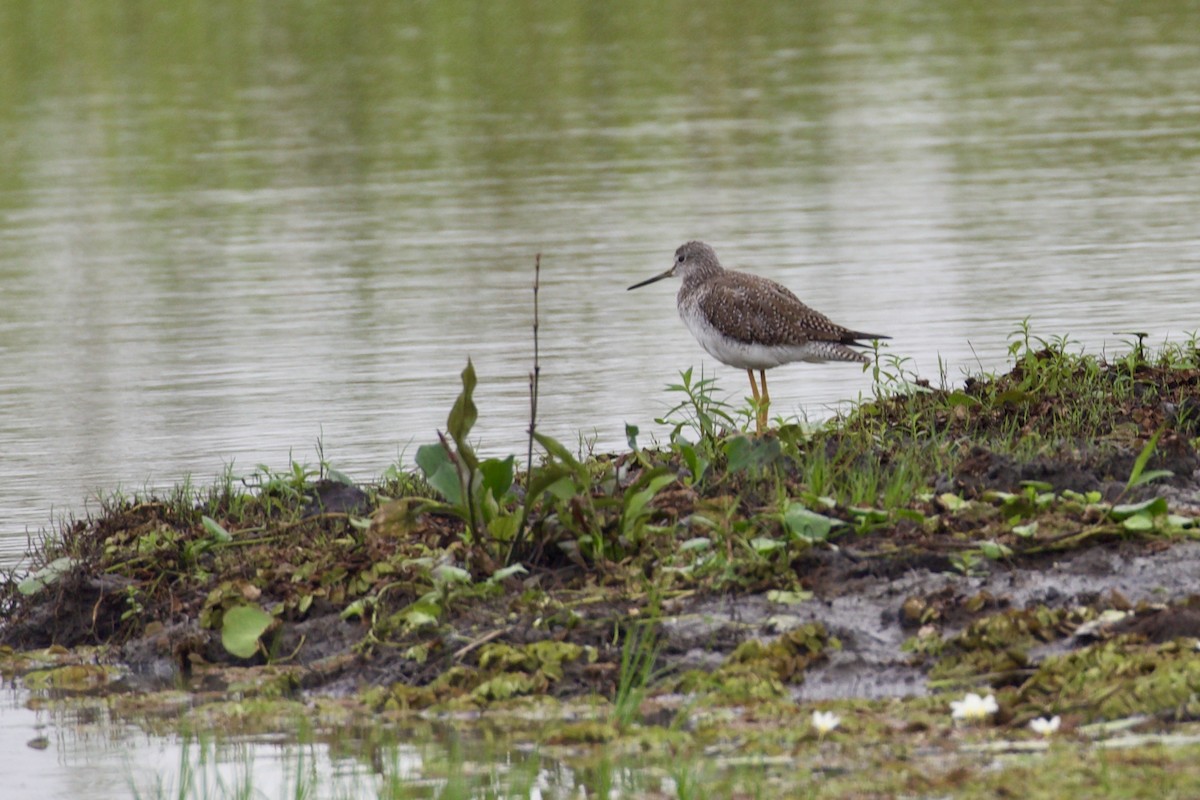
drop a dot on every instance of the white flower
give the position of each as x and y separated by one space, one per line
974 708
825 721
1044 727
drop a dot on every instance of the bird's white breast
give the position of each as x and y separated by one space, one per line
742 355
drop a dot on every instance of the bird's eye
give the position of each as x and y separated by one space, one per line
679 258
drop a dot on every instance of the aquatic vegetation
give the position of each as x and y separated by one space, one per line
685 599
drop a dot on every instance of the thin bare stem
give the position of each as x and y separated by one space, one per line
518 540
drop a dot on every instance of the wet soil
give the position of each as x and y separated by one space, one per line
145 582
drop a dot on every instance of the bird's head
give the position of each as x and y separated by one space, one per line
693 258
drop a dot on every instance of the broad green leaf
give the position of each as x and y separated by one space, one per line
1026 531
1139 523
951 502
995 550
542 479
241 626
631 434
696 464
961 398
1152 508
504 527
742 453
45 576
215 530
463 414
497 476
555 448
762 545
808 525
446 573
441 472
421 614
508 572
338 476
563 489
636 502
696 543
356 609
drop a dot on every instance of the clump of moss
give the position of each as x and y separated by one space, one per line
1117 678
761 670
998 645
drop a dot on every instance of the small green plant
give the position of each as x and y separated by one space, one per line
639 652
699 410
477 491
1139 476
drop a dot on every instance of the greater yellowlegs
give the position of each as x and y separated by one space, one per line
753 323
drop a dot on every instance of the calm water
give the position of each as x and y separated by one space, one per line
230 229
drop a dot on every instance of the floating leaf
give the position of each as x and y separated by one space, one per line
241 626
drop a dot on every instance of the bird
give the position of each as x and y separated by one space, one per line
753 323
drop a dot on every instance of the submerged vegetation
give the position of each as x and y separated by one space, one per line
1026 538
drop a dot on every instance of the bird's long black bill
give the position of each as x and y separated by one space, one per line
666 274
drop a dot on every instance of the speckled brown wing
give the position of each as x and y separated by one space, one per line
759 311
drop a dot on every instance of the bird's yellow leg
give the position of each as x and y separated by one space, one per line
757 402
766 398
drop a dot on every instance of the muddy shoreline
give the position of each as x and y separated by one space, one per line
1007 537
